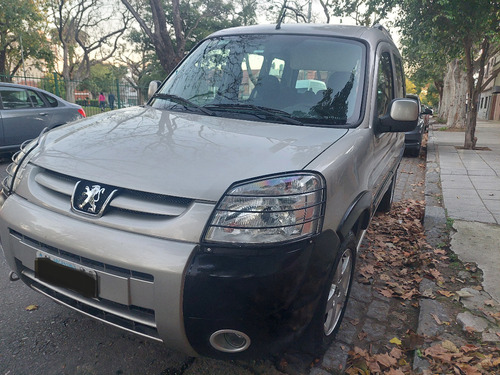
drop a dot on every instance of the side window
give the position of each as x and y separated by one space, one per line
384 84
35 99
14 98
400 78
52 101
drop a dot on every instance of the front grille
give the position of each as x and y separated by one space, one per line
131 318
127 201
98 266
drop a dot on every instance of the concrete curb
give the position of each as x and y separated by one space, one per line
435 224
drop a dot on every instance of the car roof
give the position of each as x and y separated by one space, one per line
371 34
17 85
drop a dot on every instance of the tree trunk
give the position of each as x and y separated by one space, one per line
453 107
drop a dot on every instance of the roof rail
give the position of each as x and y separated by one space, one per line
383 29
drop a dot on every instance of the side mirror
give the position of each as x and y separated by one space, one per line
153 86
427 111
402 116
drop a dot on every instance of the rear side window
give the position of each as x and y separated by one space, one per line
36 100
51 100
384 84
13 98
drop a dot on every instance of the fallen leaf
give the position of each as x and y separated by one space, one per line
396 353
373 366
386 293
436 318
470 329
438 352
446 293
32 308
489 302
394 372
385 360
395 340
451 347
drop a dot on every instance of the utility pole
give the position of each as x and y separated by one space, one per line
309 12
22 57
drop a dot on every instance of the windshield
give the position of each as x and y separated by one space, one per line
308 79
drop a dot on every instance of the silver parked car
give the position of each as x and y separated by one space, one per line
25 111
223 218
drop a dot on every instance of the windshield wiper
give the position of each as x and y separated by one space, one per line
185 102
272 112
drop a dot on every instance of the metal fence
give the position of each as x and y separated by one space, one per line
118 94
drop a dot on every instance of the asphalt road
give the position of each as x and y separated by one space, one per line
53 339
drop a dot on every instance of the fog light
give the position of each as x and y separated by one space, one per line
230 341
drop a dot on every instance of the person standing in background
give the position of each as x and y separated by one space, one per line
102 101
111 100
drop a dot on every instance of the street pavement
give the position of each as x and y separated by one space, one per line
462 196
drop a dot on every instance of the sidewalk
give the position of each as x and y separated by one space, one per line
463 190
470 182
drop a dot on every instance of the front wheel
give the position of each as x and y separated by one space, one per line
333 303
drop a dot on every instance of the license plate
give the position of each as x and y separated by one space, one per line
61 273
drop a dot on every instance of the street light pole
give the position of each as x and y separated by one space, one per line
22 57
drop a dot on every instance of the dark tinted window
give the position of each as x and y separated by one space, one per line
14 98
36 100
52 101
384 84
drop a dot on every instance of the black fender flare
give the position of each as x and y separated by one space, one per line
360 212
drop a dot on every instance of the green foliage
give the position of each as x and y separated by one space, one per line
22 20
103 78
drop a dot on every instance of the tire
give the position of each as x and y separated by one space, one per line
414 152
333 303
386 202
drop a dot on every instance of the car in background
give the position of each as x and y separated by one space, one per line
413 139
25 111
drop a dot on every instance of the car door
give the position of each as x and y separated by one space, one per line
24 115
386 152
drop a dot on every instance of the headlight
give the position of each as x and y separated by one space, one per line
15 169
269 210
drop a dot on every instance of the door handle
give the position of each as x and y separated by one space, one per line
43 114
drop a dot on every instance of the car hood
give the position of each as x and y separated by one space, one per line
178 154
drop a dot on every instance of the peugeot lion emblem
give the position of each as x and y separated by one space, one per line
91 198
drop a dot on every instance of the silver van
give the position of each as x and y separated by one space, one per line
222 218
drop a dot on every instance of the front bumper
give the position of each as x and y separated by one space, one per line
140 278
176 292
270 294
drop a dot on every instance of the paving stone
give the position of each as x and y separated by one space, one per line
477 300
378 310
347 332
491 336
427 325
335 357
355 310
318 371
361 292
467 319
374 330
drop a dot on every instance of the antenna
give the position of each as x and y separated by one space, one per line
281 17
